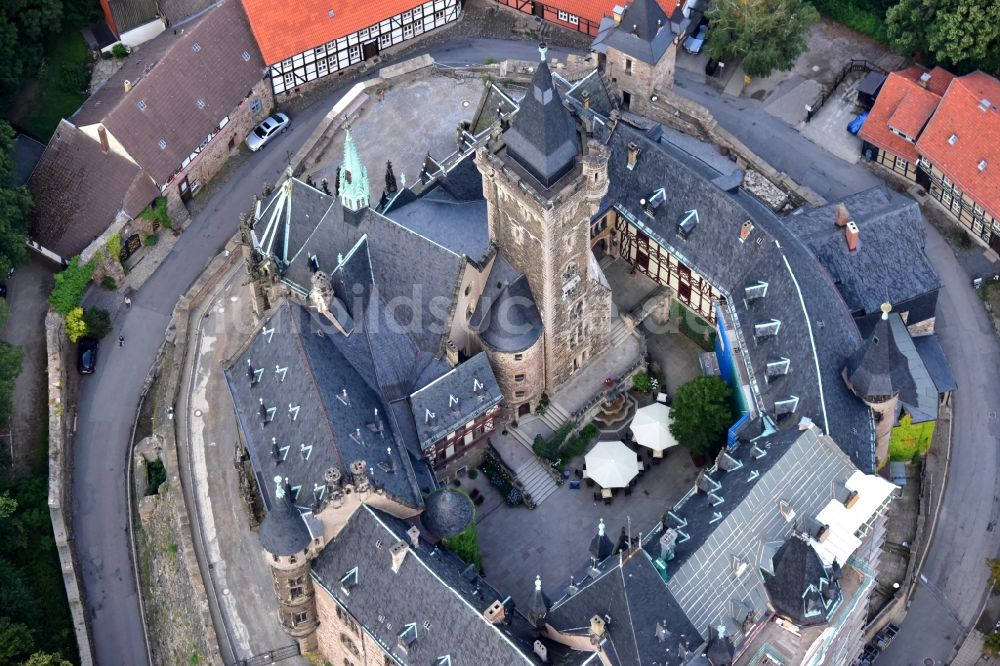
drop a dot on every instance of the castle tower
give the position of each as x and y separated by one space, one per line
876 373
353 184
541 191
638 53
286 540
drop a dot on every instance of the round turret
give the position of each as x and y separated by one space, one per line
283 532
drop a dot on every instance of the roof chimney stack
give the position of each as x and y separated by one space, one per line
633 154
852 234
102 134
617 13
414 534
925 79
842 215
596 629
496 613
541 651
585 96
398 552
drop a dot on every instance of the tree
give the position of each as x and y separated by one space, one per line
15 641
76 327
46 659
765 34
98 322
10 368
15 202
957 34
991 643
701 414
70 285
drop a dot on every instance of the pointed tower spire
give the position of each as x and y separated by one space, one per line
542 138
390 179
538 606
353 182
600 546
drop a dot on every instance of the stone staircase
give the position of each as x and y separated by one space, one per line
554 416
536 480
619 332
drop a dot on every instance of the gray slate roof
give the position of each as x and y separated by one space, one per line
542 138
463 394
919 396
929 348
506 317
429 587
644 32
889 264
305 363
878 369
447 512
283 532
800 584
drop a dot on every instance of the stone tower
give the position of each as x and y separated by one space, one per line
541 191
876 373
353 185
286 540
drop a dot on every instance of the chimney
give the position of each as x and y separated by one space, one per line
851 233
852 499
633 155
541 651
398 552
102 134
414 534
451 349
128 85
596 629
617 13
359 475
585 96
496 612
822 533
332 478
745 230
842 216
667 544
925 79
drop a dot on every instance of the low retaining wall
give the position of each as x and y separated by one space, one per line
60 479
689 117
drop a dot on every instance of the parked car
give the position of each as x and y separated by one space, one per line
695 41
267 130
855 125
86 355
3 290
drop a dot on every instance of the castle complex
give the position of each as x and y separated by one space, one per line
395 338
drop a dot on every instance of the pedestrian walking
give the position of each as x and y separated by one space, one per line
128 302
121 340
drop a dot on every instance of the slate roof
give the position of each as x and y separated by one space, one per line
878 369
631 592
303 365
283 531
801 584
447 512
889 265
644 32
428 588
288 28
978 133
918 396
78 191
414 273
130 14
506 317
463 394
183 86
931 353
906 106
25 154
816 333
542 138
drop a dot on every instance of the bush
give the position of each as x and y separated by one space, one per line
157 212
114 246
109 283
473 473
98 322
490 60
76 327
156 475
909 440
70 285
642 383
4 312
150 240
991 643
10 368
466 546
119 50
868 21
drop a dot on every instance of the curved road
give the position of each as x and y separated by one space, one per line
953 585
109 398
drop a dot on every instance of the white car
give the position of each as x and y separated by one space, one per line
267 130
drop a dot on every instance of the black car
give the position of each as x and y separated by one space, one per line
86 355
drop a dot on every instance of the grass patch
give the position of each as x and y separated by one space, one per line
693 327
157 212
910 440
466 546
854 16
63 82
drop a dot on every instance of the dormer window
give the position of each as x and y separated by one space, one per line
786 406
952 139
982 165
778 368
767 329
755 291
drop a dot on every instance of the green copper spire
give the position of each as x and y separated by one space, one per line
353 178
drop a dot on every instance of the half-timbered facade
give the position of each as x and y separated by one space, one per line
463 439
567 14
339 52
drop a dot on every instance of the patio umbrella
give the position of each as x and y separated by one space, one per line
611 464
651 427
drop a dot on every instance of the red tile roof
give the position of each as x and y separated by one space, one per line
978 138
905 105
284 29
594 10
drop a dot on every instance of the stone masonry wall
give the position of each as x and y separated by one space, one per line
506 367
641 79
341 640
60 468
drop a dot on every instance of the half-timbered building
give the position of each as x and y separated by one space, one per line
311 40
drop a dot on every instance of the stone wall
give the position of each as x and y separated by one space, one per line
682 114
638 78
341 640
60 480
507 366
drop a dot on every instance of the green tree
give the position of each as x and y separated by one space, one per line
15 641
47 659
10 368
701 414
15 202
991 643
766 35
963 35
70 285
76 327
98 322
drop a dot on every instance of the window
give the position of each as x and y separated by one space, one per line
299 618
255 106
363 33
291 559
518 357
385 41
407 15
296 588
439 15
322 67
320 50
408 31
563 16
518 378
289 80
628 66
346 641
518 394
246 56
141 104
348 662
574 20
354 52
